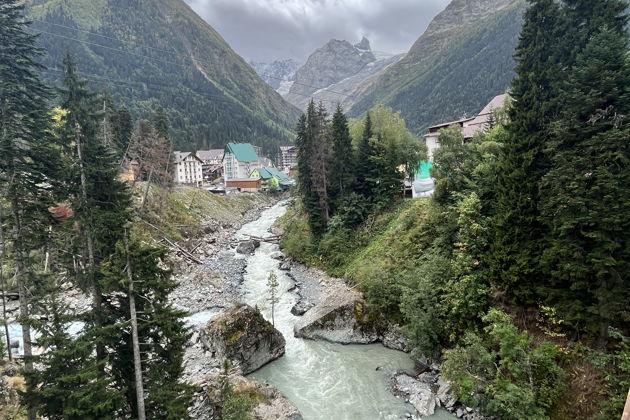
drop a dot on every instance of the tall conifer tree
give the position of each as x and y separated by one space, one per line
363 166
307 132
586 198
27 157
342 175
516 246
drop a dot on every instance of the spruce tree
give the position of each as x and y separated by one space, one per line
101 205
68 385
28 159
363 161
161 331
320 160
342 172
516 246
162 124
307 130
586 198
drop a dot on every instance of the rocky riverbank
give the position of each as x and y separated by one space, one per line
428 391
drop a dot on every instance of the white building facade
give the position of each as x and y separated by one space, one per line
188 169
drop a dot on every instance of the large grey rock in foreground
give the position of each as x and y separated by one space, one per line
244 337
341 318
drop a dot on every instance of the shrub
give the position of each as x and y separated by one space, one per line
504 373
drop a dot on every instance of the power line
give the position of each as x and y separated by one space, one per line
103 36
143 56
163 50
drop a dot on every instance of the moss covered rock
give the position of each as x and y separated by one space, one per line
242 336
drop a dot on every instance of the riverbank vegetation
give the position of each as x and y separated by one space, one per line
514 272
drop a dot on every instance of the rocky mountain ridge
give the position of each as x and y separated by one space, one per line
333 71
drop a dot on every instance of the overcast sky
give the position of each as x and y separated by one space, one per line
266 30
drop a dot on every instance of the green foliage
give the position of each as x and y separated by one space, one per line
232 405
236 407
161 331
616 367
504 373
342 173
68 382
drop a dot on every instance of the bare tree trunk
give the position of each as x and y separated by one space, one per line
3 287
137 365
22 293
97 298
604 320
146 190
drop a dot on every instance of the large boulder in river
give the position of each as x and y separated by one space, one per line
341 317
244 337
247 247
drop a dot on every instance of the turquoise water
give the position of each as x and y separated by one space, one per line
324 380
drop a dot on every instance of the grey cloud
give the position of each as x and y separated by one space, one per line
265 30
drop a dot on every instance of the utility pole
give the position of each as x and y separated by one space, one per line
3 287
626 410
137 365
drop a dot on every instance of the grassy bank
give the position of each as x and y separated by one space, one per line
185 212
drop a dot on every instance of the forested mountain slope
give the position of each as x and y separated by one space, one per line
149 53
461 61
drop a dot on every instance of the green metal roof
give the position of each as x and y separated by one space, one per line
244 152
268 173
278 174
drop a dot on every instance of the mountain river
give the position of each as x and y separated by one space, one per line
326 381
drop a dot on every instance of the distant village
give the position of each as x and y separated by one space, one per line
239 167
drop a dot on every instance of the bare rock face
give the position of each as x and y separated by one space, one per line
244 337
340 318
335 61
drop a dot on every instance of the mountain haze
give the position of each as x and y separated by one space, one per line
278 74
464 58
150 53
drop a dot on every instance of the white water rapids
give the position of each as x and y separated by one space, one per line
324 380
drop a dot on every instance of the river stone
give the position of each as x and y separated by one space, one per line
301 308
274 405
243 336
278 255
419 393
339 318
246 247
